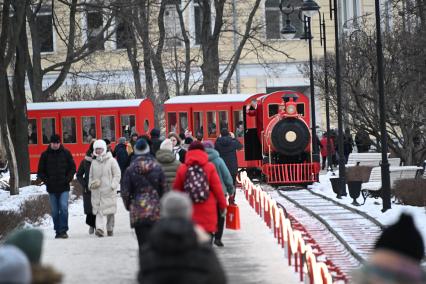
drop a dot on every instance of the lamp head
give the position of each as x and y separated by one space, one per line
309 8
288 31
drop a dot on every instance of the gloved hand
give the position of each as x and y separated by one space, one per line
95 184
232 199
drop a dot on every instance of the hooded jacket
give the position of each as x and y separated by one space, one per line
227 148
169 164
104 169
142 186
56 169
222 171
204 213
173 255
83 174
120 153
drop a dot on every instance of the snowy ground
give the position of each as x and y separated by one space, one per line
373 206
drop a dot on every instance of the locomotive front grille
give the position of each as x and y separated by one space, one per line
291 173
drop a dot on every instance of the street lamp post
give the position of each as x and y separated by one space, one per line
309 8
383 134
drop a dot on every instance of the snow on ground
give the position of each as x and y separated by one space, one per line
13 202
373 206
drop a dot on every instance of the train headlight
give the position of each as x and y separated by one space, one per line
291 109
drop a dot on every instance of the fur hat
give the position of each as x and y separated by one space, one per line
14 266
99 144
208 144
29 241
141 147
402 237
155 133
167 145
176 204
55 138
196 145
121 140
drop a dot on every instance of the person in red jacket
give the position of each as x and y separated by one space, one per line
324 150
205 213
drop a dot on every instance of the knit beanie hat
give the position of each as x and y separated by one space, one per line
141 147
55 138
121 140
224 132
155 132
208 144
176 204
100 144
402 237
167 144
29 241
196 145
188 140
14 266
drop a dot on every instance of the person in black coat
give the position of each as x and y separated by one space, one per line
56 169
227 147
155 141
83 178
120 153
177 251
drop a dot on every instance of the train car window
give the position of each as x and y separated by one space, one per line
223 120
108 127
69 130
32 131
47 129
272 109
172 122
145 125
183 122
211 123
128 125
238 123
88 126
198 123
301 109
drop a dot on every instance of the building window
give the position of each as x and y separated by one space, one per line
95 36
274 19
172 24
44 26
350 13
198 22
122 33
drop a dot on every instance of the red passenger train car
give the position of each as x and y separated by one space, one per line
79 122
275 132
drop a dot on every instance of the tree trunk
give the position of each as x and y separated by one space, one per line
132 54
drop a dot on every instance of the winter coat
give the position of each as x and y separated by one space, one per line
222 171
204 213
227 148
156 142
142 186
180 153
169 164
323 143
83 173
56 169
120 153
104 197
173 255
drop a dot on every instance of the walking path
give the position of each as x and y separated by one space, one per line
250 255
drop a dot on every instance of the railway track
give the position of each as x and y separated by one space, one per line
345 235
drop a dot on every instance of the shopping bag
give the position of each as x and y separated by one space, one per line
233 217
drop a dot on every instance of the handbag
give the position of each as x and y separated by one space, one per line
233 217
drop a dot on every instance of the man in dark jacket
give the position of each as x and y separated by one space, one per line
227 147
155 141
56 169
177 251
120 153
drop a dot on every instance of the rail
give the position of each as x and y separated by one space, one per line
293 239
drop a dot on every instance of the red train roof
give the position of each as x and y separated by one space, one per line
222 98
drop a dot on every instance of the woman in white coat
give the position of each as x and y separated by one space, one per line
104 180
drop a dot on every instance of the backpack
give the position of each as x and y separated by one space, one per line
196 184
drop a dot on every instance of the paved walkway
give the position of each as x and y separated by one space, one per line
250 255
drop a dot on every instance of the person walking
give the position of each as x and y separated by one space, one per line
142 186
83 178
362 141
56 169
348 143
177 148
227 146
205 184
324 150
177 251
167 161
227 186
120 153
155 140
104 179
